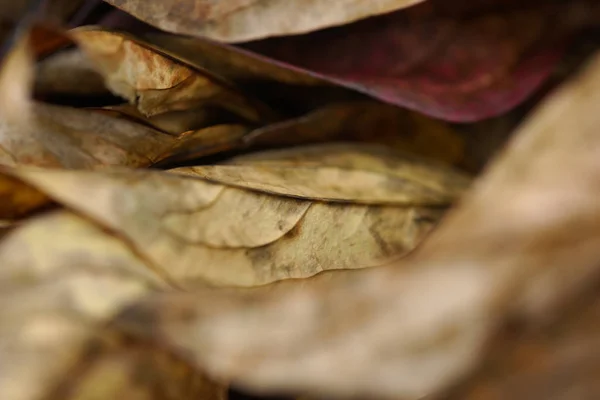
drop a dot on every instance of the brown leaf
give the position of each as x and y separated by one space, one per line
365 121
17 199
242 20
70 138
39 134
195 231
68 72
153 82
519 245
174 122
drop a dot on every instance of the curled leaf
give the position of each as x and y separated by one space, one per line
39 134
196 231
153 82
68 72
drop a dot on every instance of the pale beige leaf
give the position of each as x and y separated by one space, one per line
61 278
174 122
558 362
519 246
66 137
340 172
243 20
195 231
154 82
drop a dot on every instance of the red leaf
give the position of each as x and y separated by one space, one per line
443 62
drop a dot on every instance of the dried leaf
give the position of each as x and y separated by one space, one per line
195 231
174 122
242 20
205 142
519 245
68 72
153 82
45 135
365 121
462 65
71 138
55 295
340 172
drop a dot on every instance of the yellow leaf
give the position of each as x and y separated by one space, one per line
194 231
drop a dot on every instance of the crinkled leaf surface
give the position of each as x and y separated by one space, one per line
153 82
518 246
196 231
38 134
242 20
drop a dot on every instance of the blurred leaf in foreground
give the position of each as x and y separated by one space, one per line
55 294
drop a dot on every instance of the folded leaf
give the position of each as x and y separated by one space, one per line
68 72
153 82
241 20
195 231
463 64
45 135
174 122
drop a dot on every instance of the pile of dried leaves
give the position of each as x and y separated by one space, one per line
163 177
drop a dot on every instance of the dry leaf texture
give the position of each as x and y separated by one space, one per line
153 82
196 231
243 20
